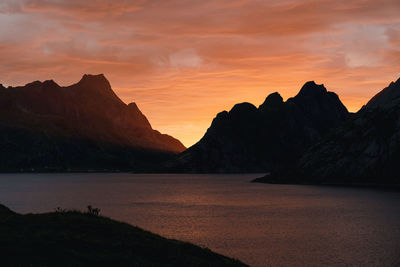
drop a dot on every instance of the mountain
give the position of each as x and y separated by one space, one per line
366 149
388 97
272 136
85 126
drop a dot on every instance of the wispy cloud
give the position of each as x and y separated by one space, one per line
184 61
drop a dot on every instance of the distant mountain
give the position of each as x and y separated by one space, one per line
85 126
273 136
366 149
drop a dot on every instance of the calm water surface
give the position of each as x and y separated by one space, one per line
260 224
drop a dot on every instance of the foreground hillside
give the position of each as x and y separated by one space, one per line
71 238
272 136
85 126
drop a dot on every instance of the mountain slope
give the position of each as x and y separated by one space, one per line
389 96
250 139
73 238
366 149
85 126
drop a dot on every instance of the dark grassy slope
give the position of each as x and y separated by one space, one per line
80 239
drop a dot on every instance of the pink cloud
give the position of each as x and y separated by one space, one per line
184 61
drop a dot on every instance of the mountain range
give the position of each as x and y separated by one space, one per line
309 138
365 149
85 126
270 137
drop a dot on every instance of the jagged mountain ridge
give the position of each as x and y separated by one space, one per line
366 149
42 121
273 136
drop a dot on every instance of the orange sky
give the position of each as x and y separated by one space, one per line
184 61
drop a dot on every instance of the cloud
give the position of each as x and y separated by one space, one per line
363 45
184 61
185 58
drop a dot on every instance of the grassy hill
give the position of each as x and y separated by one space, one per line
73 238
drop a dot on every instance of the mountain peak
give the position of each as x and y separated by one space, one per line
50 83
34 84
272 101
133 106
396 82
311 88
93 76
98 78
388 97
244 107
96 85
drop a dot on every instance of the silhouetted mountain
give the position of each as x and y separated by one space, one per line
273 136
366 149
44 126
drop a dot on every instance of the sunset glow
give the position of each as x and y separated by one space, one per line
182 62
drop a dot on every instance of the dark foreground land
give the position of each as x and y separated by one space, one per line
73 238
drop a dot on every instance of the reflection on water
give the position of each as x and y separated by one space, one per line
259 224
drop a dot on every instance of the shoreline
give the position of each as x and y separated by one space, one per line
265 180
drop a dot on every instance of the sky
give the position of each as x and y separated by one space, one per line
183 61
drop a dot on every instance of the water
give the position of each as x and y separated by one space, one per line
260 224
